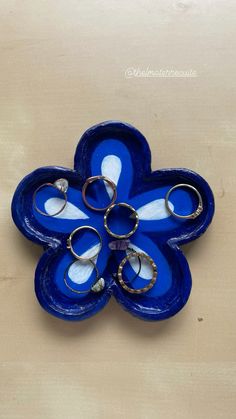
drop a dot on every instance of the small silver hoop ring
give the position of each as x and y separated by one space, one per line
70 246
121 236
55 186
84 291
121 267
194 214
94 179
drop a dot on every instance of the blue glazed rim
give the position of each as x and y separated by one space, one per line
54 242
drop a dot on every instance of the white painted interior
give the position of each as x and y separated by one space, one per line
146 270
154 210
111 167
79 272
70 212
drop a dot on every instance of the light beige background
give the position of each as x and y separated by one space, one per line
62 70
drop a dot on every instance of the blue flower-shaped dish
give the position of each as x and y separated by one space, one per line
120 152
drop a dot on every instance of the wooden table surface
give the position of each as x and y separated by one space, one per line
66 65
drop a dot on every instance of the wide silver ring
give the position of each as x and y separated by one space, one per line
121 267
194 214
121 236
70 246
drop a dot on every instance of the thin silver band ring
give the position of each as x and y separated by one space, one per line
92 179
70 246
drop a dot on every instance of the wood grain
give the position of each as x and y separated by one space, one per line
63 67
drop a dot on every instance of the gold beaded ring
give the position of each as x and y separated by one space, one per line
194 214
97 286
120 271
94 179
121 236
70 246
60 185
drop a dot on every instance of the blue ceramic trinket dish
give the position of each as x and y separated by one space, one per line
120 152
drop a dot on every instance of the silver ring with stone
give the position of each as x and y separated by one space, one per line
97 286
60 185
194 214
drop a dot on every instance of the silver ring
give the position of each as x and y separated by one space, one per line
70 246
94 179
194 214
60 185
121 267
121 236
97 286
